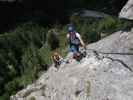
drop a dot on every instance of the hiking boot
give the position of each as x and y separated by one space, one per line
77 56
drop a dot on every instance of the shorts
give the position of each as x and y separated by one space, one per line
74 49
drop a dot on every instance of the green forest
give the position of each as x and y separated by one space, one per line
27 43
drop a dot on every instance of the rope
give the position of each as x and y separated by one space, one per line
118 60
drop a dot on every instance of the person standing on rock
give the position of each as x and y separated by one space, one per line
75 41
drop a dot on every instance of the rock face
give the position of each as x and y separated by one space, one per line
127 10
90 13
105 74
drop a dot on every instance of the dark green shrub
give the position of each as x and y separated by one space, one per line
108 23
53 39
19 57
12 87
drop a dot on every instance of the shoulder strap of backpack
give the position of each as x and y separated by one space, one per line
72 35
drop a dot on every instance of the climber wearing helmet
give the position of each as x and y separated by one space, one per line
75 41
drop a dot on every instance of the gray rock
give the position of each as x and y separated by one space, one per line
127 10
105 74
90 13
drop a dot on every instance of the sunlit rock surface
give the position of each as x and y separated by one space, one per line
105 74
127 10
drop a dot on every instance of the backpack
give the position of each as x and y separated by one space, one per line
73 39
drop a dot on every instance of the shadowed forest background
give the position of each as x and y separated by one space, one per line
49 11
27 35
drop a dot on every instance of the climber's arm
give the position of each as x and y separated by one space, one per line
80 39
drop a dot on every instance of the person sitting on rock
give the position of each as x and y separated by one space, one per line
57 59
